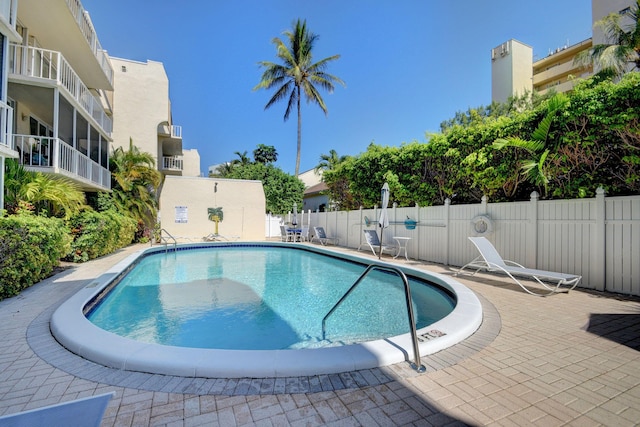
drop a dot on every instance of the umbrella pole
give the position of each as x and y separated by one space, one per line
380 250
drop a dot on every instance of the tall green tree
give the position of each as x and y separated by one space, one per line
265 154
623 44
135 183
281 190
297 74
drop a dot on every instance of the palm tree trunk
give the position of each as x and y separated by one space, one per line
299 134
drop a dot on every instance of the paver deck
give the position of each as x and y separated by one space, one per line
569 359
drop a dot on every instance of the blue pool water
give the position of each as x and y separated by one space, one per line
260 298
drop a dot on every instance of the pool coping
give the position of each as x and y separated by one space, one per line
71 328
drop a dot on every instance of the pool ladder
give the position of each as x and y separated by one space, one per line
419 367
166 238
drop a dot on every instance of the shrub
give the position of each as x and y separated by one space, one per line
99 233
30 247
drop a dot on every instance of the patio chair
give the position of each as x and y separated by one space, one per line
319 233
304 234
83 412
491 261
371 238
285 235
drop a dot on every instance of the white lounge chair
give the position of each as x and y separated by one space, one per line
321 236
371 238
491 260
85 412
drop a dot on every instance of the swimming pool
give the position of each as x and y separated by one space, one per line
72 329
248 297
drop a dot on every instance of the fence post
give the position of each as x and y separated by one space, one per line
532 247
599 257
418 228
447 208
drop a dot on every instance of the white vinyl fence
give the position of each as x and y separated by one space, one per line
598 238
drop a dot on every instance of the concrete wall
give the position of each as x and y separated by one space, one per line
511 70
191 162
140 103
184 202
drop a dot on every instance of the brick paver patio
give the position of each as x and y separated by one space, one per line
570 359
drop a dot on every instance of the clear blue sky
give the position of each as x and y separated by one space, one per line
408 64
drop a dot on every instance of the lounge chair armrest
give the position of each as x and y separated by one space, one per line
513 263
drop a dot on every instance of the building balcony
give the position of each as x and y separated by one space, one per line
170 138
54 156
172 165
556 71
65 26
170 131
6 130
558 88
42 67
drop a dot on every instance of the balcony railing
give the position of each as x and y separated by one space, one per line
51 65
173 131
6 125
86 27
56 156
172 163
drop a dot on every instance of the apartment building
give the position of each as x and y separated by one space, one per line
142 114
8 34
58 81
513 71
58 95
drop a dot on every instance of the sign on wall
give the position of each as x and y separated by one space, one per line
182 214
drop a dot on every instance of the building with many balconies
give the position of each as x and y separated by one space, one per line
59 78
58 97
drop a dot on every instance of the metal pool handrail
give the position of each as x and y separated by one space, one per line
165 240
407 293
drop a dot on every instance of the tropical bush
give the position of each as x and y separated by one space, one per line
30 248
561 148
49 195
99 233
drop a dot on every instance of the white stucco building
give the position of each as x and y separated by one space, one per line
142 113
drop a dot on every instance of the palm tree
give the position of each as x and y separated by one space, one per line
242 160
534 168
329 161
623 48
297 74
136 181
47 194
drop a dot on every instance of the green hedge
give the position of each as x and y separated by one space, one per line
30 247
99 233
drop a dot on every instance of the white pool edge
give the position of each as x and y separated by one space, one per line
76 333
